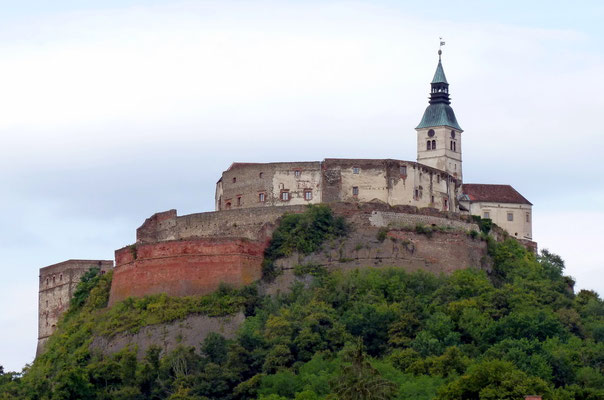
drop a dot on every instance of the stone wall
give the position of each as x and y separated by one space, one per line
185 267
394 182
190 331
57 284
250 223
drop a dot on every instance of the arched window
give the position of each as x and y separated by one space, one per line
228 205
428 145
434 145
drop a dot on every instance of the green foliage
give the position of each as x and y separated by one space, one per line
472 335
303 233
382 234
89 280
359 380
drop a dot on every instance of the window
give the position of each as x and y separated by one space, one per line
307 194
486 214
434 145
452 134
53 279
451 145
227 205
510 216
46 281
428 146
446 204
403 169
416 194
297 173
431 199
356 170
261 197
355 190
455 146
528 217
285 195
260 175
431 132
61 277
238 200
437 178
234 179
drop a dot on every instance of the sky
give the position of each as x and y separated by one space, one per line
113 110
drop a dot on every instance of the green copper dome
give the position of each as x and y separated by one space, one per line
439 112
438 115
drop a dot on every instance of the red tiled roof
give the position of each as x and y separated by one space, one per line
493 193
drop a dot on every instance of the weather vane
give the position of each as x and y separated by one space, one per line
442 43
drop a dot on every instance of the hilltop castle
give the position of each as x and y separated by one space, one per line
435 180
193 254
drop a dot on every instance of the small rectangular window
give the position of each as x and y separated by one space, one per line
297 173
261 197
308 195
446 202
356 170
234 179
432 199
486 214
437 178
510 216
355 190
528 217
284 196
239 200
403 170
416 194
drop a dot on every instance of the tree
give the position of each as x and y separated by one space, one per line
360 381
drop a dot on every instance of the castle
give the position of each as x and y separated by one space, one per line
193 254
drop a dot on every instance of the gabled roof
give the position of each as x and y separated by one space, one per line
493 193
439 75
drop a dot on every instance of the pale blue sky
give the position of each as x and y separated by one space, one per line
114 110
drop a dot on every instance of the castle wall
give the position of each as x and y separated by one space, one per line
250 223
522 217
185 267
246 185
57 284
393 182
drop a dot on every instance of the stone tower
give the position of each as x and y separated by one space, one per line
57 284
439 134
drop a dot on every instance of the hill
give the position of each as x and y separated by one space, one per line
374 333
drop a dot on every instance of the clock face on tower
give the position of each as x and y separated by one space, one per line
431 133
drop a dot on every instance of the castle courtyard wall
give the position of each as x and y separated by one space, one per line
185 267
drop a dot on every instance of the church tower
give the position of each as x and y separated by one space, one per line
439 134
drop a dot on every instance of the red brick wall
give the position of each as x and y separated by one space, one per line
185 267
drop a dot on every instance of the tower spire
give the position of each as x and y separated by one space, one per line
439 112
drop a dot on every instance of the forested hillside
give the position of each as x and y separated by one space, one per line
366 334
